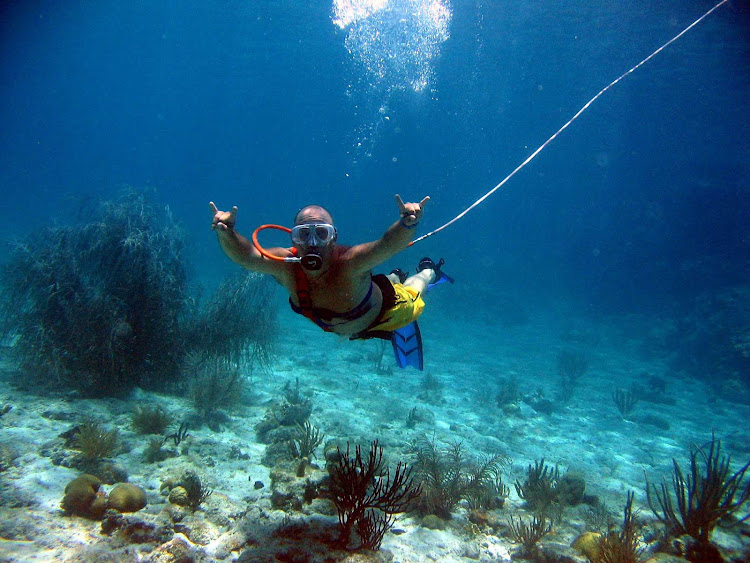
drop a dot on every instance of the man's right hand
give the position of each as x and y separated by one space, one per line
223 220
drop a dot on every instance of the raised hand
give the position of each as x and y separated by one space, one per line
411 213
223 220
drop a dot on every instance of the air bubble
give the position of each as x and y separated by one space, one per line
395 40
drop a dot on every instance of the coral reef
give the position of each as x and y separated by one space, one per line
622 546
248 339
707 495
94 441
529 535
711 337
150 419
367 495
189 490
126 497
97 305
546 491
588 544
178 495
84 497
448 476
102 305
215 385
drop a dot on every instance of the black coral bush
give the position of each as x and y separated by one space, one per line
449 475
97 305
622 546
93 441
248 338
101 306
367 495
700 499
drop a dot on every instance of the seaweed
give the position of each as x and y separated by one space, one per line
431 389
707 495
96 305
449 476
431 382
366 495
153 452
540 489
306 438
571 365
180 435
412 418
215 384
598 518
529 535
150 420
102 305
625 400
292 394
485 487
294 409
508 393
248 338
8 455
94 441
378 358
622 546
197 492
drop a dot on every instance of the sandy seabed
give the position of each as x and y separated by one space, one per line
466 363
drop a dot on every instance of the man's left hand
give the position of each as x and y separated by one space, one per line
411 213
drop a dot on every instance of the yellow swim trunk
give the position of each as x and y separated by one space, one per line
403 308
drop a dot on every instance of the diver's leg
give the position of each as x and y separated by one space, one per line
427 272
421 280
397 275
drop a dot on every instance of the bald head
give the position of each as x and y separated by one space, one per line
313 214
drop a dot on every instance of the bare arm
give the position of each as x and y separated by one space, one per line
365 257
239 248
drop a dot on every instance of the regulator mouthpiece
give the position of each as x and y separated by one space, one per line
311 262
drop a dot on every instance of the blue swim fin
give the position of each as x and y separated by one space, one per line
407 346
407 341
441 276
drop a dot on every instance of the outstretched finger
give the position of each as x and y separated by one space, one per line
233 213
214 209
425 199
400 202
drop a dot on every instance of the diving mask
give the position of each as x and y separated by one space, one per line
313 234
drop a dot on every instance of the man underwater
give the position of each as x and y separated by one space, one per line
333 285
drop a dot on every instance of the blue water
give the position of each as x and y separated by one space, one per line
645 200
627 239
